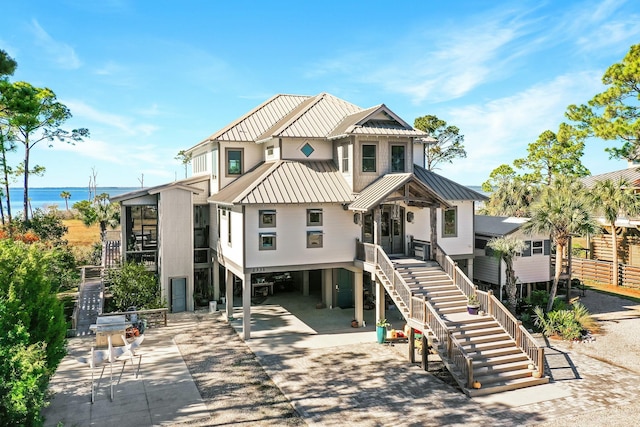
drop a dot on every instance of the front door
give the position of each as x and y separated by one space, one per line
392 229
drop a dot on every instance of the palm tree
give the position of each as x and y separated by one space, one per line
66 196
612 200
506 249
561 211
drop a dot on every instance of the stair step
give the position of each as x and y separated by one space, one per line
468 333
481 339
447 298
487 370
506 386
498 360
450 310
474 346
488 353
446 304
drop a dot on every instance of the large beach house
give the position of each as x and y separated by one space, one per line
319 192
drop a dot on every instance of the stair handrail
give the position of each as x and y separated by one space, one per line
455 353
496 309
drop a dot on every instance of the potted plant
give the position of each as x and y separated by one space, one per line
381 330
473 304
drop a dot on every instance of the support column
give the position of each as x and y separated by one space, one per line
380 308
216 279
470 269
433 219
305 283
229 294
359 297
412 346
327 287
246 307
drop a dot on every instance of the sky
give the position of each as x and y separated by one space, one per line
150 78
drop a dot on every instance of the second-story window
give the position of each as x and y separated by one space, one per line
397 158
267 218
234 161
314 217
368 158
450 222
345 158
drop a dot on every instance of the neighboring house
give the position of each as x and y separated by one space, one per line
628 235
288 190
532 266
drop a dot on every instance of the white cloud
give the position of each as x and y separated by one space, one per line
500 130
63 55
127 125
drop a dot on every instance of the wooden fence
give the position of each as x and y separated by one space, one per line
602 272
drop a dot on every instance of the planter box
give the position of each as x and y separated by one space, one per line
473 309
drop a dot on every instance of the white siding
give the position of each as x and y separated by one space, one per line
462 244
252 154
175 238
233 251
339 237
322 149
418 154
274 148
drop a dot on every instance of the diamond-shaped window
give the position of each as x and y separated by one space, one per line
307 149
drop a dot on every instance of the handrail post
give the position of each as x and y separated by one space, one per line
541 361
519 333
469 372
490 302
165 317
449 344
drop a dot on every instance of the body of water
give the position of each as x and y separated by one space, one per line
48 196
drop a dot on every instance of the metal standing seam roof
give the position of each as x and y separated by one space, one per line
286 181
314 118
365 123
632 175
447 189
497 225
386 185
182 184
253 124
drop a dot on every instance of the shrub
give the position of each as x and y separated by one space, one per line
133 285
568 323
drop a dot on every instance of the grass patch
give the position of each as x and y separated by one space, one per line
79 234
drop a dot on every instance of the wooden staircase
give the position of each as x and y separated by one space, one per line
493 356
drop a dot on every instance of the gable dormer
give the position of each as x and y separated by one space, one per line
372 143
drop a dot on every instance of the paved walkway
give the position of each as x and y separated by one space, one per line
89 305
163 392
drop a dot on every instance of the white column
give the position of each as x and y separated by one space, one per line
229 294
327 287
470 269
216 279
246 306
359 297
305 283
380 309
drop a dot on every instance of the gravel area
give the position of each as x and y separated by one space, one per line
233 385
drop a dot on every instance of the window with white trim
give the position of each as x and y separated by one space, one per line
345 158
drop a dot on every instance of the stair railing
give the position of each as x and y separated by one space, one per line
492 306
423 313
